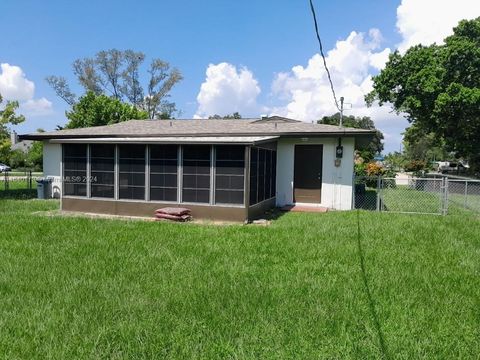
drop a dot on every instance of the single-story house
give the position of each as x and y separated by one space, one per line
220 169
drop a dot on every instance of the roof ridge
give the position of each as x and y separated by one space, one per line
196 127
190 119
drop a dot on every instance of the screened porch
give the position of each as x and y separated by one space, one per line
225 175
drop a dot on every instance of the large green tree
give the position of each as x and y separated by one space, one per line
8 116
438 88
34 156
427 147
95 110
117 74
367 150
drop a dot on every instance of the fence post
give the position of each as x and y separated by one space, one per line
378 192
30 179
6 180
445 196
466 195
354 181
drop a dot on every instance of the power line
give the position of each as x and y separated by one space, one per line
323 55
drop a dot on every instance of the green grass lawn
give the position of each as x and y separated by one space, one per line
301 288
18 189
470 202
16 172
406 199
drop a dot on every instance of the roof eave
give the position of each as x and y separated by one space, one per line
217 140
40 137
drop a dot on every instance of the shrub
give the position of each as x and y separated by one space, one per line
375 169
417 167
360 170
17 159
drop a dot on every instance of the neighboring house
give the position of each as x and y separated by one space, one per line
220 169
445 167
23 145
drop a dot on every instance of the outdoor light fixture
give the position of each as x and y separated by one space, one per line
339 149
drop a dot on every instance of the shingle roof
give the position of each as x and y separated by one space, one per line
244 140
274 126
24 145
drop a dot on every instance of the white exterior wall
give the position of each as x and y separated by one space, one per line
337 182
52 160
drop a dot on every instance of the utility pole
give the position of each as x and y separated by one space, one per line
341 111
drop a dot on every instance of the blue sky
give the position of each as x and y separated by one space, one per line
251 45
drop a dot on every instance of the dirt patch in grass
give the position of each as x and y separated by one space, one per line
75 214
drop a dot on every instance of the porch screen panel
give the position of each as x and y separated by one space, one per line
261 174
268 174
253 175
75 169
102 170
163 172
229 174
273 192
131 177
196 174
263 169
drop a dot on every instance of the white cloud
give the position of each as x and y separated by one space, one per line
351 63
36 107
226 90
308 96
304 92
428 21
14 85
379 59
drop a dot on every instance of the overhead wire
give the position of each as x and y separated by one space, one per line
376 321
312 8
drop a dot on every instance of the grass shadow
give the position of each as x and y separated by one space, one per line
366 200
371 303
19 194
274 214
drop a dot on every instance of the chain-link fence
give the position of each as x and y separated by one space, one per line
463 196
429 195
21 184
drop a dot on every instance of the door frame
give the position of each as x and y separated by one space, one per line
321 147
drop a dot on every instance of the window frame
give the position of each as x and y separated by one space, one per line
120 172
176 173
241 149
197 174
64 170
255 168
91 171
219 171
